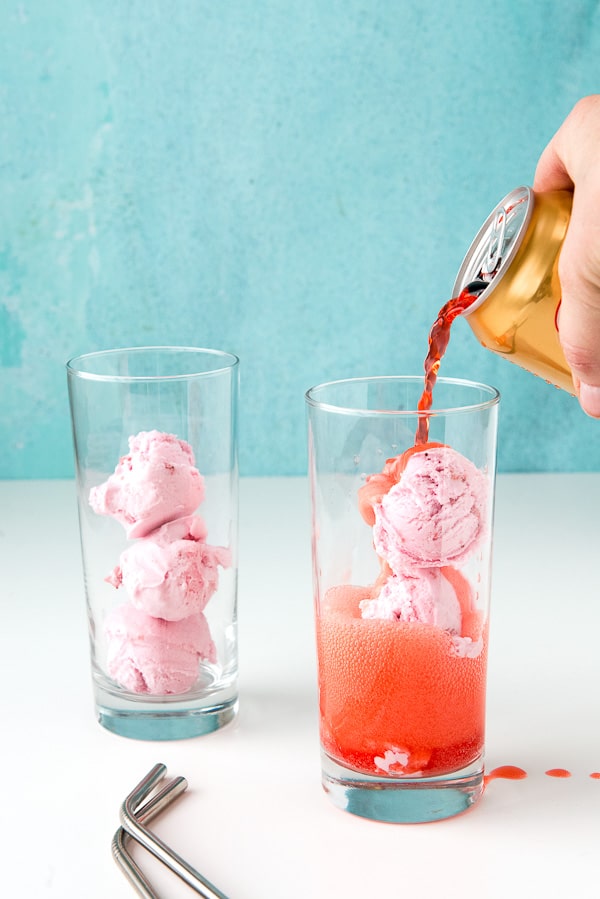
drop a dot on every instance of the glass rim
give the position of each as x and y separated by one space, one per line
492 400
230 361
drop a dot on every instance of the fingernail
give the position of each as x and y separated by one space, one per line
589 397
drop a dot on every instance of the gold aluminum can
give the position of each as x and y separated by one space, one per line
513 266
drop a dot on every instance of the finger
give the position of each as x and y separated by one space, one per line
570 161
572 149
579 324
551 173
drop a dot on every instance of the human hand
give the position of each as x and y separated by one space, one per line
572 161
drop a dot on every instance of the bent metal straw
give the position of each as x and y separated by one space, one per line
171 791
156 846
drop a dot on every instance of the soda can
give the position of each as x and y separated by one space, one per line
512 267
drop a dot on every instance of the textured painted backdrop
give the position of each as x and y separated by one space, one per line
295 182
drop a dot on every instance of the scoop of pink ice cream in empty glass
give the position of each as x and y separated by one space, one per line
155 482
150 655
173 572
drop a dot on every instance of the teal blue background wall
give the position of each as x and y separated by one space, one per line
296 182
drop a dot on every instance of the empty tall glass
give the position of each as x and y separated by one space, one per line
155 438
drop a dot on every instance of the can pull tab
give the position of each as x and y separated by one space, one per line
477 286
496 243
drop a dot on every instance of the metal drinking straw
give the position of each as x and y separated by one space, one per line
155 845
147 813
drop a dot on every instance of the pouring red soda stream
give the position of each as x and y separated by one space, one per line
439 337
509 291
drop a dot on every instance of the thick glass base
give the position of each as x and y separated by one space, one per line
166 725
403 800
165 718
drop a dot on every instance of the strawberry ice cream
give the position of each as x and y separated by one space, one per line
435 514
156 640
150 655
426 596
171 573
378 484
156 482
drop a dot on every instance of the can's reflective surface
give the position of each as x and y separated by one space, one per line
516 254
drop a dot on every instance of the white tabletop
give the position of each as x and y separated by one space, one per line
255 820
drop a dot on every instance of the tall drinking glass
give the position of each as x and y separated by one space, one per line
155 436
402 547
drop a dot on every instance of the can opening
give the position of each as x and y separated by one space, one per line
477 286
494 246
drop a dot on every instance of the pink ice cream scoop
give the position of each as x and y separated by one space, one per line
150 655
435 515
425 596
155 483
172 573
